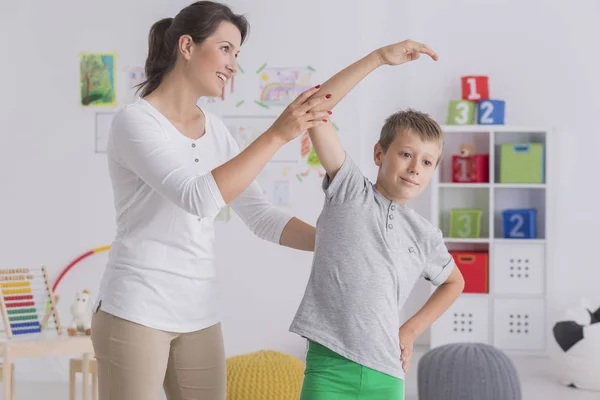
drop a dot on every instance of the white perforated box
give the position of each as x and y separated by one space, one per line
519 324
518 268
467 320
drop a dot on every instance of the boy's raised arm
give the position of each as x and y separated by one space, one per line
327 145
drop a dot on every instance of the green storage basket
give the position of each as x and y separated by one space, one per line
465 223
522 163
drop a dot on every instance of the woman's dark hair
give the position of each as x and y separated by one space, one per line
199 20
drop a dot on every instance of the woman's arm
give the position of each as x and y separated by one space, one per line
139 144
233 177
270 223
298 235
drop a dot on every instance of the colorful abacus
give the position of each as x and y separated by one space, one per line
26 294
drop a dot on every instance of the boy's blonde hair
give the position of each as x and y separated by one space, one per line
417 122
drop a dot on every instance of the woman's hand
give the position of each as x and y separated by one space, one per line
403 52
299 116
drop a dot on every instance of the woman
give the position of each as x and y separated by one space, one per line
173 167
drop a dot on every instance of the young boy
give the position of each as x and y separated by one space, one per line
370 250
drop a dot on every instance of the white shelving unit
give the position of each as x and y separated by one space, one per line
513 314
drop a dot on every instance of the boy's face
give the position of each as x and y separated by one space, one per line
405 169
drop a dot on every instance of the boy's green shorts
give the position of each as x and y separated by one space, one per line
329 376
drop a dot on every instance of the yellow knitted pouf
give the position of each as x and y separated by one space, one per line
264 375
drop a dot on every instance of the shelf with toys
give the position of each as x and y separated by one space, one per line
490 199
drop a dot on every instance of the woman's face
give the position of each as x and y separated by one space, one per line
212 63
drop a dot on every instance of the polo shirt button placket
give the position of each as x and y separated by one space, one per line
391 217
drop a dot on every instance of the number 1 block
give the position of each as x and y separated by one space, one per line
470 169
475 88
490 112
461 112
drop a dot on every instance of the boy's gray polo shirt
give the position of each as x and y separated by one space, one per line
369 253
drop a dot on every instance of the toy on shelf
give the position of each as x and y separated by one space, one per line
465 223
474 267
519 223
476 106
81 311
469 167
522 163
466 150
26 294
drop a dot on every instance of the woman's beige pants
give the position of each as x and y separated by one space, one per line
135 362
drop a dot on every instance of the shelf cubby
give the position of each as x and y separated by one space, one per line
520 198
464 198
480 142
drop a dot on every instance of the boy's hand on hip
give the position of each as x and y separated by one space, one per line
407 340
403 52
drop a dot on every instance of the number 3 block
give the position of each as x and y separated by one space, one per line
461 112
475 88
490 112
465 223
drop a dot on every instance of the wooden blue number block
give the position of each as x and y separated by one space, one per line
491 112
519 223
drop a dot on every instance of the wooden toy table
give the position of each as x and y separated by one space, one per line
41 345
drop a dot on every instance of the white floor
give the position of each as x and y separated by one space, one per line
537 383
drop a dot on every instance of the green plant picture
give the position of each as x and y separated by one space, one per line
97 79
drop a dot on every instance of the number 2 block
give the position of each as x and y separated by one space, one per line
461 112
490 112
475 88
519 223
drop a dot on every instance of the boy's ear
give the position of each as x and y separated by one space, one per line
378 154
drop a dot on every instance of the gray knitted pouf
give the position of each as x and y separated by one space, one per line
467 371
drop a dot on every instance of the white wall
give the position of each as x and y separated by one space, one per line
57 200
